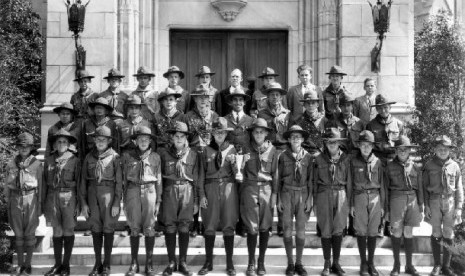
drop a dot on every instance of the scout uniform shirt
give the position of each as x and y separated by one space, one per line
403 179
219 189
163 122
314 125
142 185
146 112
200 125
278 120
182 175
61 178
332 190
296 94
116 100
23 187
89 126
80 101
212 91
349 127
182 102
101 188
126 129
331 100
239 137
258 100
73 127
385 132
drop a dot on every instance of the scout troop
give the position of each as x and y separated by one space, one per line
168 156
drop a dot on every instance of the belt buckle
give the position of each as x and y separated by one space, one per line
443 196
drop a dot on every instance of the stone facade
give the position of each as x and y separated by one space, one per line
130 33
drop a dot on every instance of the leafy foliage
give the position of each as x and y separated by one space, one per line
439 83
21 53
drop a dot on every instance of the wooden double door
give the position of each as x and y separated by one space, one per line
223 51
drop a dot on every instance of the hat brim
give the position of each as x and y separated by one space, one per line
198 75
144 74
334 139
181 74
176 95
93 135
200 95
34 146
310 100
70 138
445 145
375 105
268 75
94 104
58 109
280 90
336 73
86 77
230 97
117 77
407 146
288 133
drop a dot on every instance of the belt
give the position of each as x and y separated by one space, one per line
218 180
366 191
102 183
438 196
295 188
24 191
141 185
323 188
177 182
403 192
257 183
63 189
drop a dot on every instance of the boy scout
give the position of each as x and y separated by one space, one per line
312 122
276 116
295 195
174 75
62 170
167 117
238 120
368 198
127 127
332 188
23 195
144 89
443 192
182 174
114 95
142 187
386 129
363 105
258 193
204 77
259 103
404 202
221 102
67 115
81 98
218 195
332 93
100 194
101 110
297 93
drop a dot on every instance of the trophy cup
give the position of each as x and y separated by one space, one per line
239 158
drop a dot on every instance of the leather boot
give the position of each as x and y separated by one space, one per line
362 249
208 265
107 249
371 245
436 248
68 245
229 248
97 239
183 245
134 266
396 252
57 253
336 242
263 245
149 243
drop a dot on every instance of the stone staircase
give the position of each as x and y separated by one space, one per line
313 256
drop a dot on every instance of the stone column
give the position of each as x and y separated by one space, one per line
327 38
128 40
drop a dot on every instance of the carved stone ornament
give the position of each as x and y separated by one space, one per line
229 9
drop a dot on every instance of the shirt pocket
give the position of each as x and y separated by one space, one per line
450 176
29 178
266 164
359 174
12 176
170 167
91 169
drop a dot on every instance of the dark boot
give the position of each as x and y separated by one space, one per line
229 248
263 245
251 246
149 243
97 239
183 245
107 249
134 266
362 249
290 270
300 269
409 268
396 252
25 270
436 248
68 245
446 258
326 245
336 242
57 253
208 265
371 245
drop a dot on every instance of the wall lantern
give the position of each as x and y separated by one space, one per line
76 18
381 17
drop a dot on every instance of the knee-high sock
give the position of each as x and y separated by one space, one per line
251 246
68 244
362 248
264 237
288 246
57 249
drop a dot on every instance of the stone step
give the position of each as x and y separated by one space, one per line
421 243
272 270
195 256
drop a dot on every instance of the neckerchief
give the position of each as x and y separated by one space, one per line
100 122
219 154
260 150
85 93
367 163
332 163
312 117
405 165
443 164
180 172
22 166
384 121
297 157
140 157
59 163
169 115
100 164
